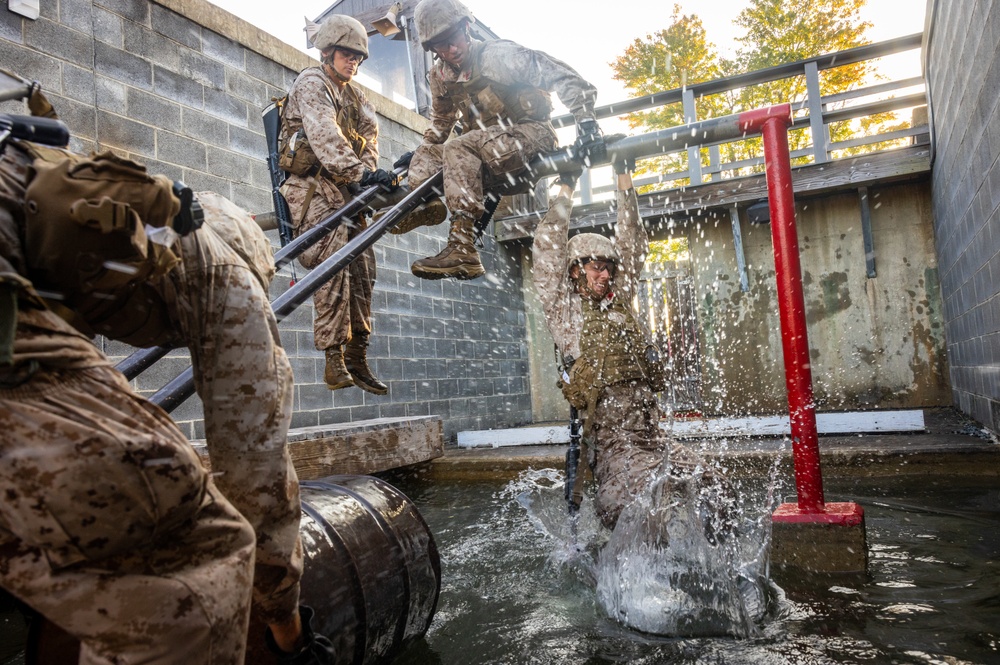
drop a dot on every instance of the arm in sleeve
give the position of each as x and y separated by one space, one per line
319 120
444 111
631 238
516 64
560 304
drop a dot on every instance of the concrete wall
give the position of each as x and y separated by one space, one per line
179 85
962 67
874 342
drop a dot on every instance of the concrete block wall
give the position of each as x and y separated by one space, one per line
963 76
179 85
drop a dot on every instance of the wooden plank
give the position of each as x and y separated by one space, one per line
521 436
362 447
839 175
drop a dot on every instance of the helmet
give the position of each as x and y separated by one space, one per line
434 18
586 246
343 31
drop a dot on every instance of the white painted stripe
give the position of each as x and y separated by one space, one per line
852 422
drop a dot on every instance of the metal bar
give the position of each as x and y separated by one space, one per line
820 135
141 360
741 262
693 151
827 61
181 387
791 305
866 231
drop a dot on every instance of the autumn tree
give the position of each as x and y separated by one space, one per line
775 32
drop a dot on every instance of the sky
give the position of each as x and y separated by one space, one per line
589 40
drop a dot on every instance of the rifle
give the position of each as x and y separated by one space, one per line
34 129
271 116
573 458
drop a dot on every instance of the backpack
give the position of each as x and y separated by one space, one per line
93 241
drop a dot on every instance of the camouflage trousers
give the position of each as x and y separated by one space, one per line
492 157
344 304
245 383
629 447
112 529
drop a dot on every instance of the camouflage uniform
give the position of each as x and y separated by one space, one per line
110 526
495 136
622 434
218 301
343 305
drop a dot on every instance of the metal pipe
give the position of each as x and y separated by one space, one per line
181 387
773 124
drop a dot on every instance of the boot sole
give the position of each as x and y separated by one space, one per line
416 220
371 389
462 272
346 383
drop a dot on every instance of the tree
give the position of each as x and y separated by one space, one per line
775 32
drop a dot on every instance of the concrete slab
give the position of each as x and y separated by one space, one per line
362 447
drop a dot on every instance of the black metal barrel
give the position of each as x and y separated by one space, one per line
372 568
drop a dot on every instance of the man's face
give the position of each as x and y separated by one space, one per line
453 46
599 274
345 62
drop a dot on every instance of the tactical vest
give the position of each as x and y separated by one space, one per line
487 103
296 156
92 242
613 338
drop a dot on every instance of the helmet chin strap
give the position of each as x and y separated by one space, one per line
332 72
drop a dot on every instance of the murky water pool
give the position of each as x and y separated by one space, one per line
518 588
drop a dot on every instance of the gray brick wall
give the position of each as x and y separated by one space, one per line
963 76
180 93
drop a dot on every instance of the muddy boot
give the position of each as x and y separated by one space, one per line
356 360
428 213
336 374
314 650
459 258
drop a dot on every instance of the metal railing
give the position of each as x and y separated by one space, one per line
814 112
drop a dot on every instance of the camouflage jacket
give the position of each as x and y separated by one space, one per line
508 65
557 292
318 107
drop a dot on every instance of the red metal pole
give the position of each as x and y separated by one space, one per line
773 124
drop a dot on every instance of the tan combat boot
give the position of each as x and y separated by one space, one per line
356 360
459 258
336 374
428 213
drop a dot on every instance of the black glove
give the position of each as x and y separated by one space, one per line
589 146
568 179
384 179
403 161
626 165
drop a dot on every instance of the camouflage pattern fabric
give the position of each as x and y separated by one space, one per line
245 383
110 526
492 155
343 304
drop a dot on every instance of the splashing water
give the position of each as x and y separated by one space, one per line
682 560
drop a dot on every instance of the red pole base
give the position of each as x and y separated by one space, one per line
843 514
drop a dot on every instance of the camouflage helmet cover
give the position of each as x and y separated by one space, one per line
586 246
434 18
343 31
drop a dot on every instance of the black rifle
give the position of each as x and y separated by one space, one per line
573 458
272 128
30 128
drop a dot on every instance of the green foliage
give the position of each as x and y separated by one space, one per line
666 252
775 32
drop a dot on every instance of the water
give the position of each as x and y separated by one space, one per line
519 584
